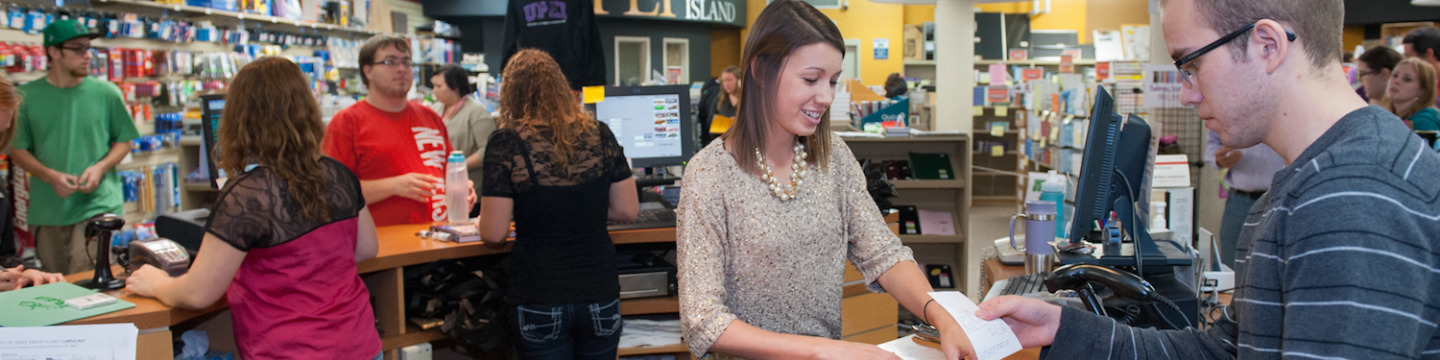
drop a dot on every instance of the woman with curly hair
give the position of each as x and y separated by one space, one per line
561 175
285 236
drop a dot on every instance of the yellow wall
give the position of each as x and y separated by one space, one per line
724 50
1353 36
919 14
865 21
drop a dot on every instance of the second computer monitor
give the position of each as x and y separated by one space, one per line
653 123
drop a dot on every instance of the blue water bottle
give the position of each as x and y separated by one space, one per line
1055 192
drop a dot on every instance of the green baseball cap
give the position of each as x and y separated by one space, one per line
65 29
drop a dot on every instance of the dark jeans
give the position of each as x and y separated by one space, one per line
567 331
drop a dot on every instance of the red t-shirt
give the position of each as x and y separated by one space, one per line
376 144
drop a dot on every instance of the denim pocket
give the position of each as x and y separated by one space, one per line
540 324
606 318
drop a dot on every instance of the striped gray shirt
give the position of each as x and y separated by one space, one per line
1338 261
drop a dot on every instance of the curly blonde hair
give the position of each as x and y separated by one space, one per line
535 94
272 118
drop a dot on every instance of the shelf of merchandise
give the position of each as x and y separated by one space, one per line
952 196
281 24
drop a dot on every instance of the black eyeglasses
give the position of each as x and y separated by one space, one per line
1187 75
77 49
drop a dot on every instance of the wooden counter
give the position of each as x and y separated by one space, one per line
399 246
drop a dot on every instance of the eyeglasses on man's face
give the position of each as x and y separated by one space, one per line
1185 64
395 62
78 49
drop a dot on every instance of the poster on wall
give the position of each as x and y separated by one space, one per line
1162 86
882 48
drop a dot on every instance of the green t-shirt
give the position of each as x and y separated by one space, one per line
69 130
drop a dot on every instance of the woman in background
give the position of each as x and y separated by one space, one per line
284 238
1373 70
769 214
1411 94
560 175
13 275
468 121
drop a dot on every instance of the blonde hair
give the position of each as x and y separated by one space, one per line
9 100
724 97
1425 77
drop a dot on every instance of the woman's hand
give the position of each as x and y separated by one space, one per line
828 349
146 280
953 340
32 277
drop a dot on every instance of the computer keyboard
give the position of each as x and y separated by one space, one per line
647 219
1018 285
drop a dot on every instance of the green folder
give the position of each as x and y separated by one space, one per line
932 166
45 305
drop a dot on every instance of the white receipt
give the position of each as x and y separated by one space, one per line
104 341
992 340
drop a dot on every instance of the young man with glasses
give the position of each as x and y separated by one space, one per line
397 149
1338 260
70 132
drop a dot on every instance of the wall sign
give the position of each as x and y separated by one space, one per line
729 12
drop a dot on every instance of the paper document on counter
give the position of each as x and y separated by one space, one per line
992 340
105 341
907 349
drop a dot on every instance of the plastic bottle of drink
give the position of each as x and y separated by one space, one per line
457 188
1055 192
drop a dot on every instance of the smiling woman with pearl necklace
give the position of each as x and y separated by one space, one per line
769 214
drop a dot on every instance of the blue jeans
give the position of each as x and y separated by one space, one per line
567 331
1237 207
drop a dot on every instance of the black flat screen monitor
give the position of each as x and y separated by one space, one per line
651 122
212 106
1112 177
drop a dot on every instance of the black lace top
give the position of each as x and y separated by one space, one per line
562 251
256 210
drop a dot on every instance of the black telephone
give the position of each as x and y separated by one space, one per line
1136 292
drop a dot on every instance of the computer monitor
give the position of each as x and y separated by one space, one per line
212 106
1112 177
653 123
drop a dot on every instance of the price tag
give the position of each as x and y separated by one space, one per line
997 128
979 111
997 150
1002 111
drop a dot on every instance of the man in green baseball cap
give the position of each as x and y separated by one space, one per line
70 133
63 30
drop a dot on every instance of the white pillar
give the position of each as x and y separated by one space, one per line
954 65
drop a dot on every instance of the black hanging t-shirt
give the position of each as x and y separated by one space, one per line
565 29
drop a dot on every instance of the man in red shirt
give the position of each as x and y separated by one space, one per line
395 148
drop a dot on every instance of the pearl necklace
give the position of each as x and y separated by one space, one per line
785 192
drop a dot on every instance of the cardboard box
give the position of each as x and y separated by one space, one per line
914 43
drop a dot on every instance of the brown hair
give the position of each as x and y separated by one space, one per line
1425 76
782 27
271 117
724 98
1318 23
535 94
372 46
9 100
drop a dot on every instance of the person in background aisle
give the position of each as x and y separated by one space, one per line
467 120
560 175
1424 43
1374 69
70 135
397 149
712 97
770 213
1411 96
1248 173
1338 260
285 236
895 86
13 275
